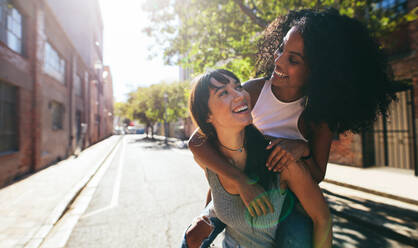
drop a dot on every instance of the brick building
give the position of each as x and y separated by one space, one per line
393 141
51 75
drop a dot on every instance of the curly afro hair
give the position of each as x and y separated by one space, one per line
350 81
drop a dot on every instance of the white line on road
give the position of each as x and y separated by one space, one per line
115 195
116 189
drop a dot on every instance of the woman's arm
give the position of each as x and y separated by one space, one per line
320 145
317 150
207 157
299 180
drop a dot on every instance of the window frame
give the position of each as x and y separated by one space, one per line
14 126
17 29
57 106
56 69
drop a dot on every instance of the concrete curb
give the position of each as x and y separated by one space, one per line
375 192
63 206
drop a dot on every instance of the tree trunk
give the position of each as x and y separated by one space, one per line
247 11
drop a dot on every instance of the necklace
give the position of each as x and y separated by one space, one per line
231 149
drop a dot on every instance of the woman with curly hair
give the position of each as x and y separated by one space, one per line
323 74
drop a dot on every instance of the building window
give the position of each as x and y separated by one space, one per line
8 118
57 110
54 65
11 26
78 86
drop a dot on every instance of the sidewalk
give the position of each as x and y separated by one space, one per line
393 183
30 207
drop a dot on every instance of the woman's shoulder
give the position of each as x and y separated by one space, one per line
254 87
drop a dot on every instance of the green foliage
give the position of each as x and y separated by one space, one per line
120 109
202 34
148 104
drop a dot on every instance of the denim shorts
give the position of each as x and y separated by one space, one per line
295 229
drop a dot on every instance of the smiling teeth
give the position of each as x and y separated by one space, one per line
280 74
240 109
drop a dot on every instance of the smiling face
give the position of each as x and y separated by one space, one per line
229 105
290 68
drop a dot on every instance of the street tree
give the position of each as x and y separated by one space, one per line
148 105
121 110
201 34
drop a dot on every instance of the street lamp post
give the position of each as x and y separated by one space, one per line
165 118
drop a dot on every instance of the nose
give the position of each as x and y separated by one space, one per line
277 57
238 95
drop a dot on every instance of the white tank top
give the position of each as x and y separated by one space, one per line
276 118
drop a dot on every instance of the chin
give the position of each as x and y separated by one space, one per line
248 121
275 81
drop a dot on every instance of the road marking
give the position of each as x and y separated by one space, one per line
116 189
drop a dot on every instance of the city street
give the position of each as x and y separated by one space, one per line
149 194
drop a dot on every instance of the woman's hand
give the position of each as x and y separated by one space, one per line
284 152
254 197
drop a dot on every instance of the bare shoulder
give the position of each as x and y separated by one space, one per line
320 132
253 87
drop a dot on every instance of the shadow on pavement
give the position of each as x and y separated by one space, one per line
158 144
370 217
347 234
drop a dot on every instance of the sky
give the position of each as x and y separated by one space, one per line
125 48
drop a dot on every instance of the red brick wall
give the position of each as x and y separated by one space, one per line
15 69
54 144
18 163
347 150
108 103
39 144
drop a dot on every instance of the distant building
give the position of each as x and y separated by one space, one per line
51 82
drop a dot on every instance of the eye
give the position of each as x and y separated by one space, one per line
223 93
239 87
292 60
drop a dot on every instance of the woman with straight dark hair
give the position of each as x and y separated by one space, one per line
220 107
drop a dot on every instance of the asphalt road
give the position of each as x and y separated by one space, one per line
150 194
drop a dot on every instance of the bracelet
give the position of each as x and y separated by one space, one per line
303 158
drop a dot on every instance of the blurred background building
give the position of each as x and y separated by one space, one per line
56 96
392 142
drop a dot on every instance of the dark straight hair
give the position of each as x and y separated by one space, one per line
199 98
255 143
